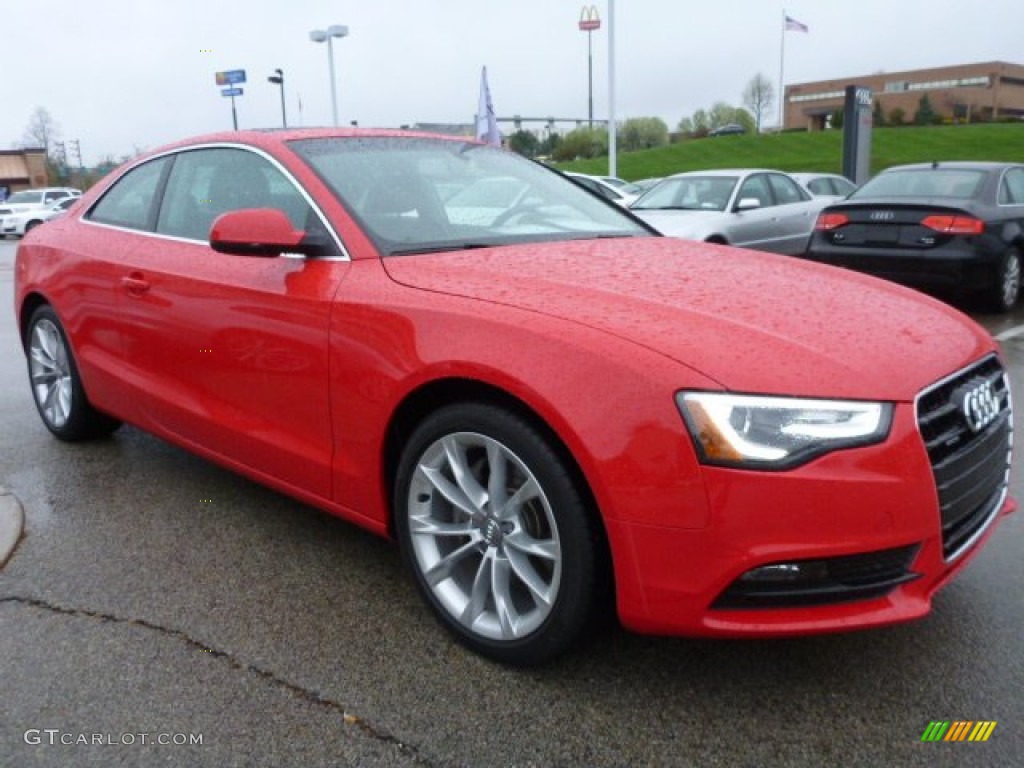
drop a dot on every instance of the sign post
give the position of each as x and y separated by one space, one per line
231 77
857 123
589 21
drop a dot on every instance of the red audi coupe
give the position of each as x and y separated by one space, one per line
545 403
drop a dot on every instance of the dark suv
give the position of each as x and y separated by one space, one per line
729 129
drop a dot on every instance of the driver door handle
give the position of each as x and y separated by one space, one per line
135 284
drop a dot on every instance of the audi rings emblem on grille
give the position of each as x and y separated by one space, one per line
980 406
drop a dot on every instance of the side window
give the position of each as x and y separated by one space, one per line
1014 183
756 186
52 197
131 201
205 183
843 186
820 186
786 190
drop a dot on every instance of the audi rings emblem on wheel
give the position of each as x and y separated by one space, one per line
484 536
492 525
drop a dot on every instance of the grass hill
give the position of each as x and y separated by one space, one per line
819 150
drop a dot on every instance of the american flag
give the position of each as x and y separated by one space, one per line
792 25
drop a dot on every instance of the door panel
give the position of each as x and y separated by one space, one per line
231 351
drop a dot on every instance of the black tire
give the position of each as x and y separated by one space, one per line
1005 291
562 583
31 225
56 384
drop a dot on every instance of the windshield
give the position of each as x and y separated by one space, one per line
24 197
923 182
416 195
689 193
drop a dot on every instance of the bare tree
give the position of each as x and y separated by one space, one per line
42 130
758 97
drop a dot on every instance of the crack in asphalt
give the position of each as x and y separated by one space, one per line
314 697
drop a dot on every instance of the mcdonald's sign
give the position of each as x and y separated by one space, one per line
589 20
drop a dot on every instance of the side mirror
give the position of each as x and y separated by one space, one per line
748 203
255 232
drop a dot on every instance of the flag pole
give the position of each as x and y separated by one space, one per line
782 66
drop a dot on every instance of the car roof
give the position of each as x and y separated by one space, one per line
276 137
954 164
724 172
816 175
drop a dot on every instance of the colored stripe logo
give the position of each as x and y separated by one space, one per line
958 730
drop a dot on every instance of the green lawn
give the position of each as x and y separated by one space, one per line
819 151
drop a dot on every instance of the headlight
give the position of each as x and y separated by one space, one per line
759 432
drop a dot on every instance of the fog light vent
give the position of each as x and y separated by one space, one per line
819 582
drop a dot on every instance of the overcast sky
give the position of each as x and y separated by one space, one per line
121 76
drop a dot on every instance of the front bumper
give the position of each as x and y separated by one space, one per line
849 503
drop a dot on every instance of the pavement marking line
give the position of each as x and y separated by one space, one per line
1010 333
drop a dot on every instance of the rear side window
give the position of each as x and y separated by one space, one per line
1011 191
131 201
786 190
820 186
842 186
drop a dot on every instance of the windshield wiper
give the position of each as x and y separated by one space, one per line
441 248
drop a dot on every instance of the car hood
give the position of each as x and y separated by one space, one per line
754 322
693 225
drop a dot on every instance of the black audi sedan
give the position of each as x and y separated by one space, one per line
953 229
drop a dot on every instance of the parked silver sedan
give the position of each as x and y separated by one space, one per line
761 209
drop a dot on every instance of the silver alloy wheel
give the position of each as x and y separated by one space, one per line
1011 279
50 372
484 536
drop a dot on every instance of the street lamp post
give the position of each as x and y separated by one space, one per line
319 36
612 128
278 79
589 21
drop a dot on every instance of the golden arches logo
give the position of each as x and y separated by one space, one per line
589 20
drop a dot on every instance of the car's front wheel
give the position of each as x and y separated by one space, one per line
56 384
1006 290
496 532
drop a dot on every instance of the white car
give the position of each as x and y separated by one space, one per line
826 184
22 221
751 208
27 199
606 189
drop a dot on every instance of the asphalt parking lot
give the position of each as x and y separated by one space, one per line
157 598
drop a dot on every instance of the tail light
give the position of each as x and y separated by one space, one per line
829 221
954 225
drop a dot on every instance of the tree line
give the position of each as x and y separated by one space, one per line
648 132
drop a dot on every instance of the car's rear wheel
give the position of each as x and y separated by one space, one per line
31 225
1006 290
56 384
496 533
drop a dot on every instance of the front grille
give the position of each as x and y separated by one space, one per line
971 465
